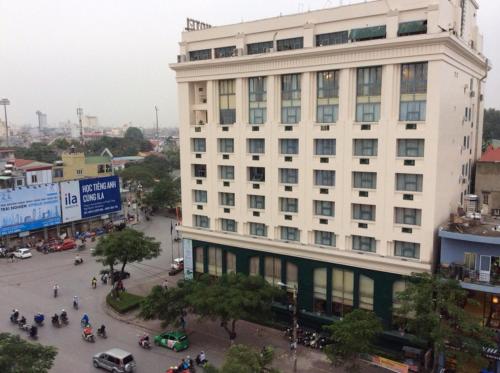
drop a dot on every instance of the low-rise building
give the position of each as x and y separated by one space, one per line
75 165
488 181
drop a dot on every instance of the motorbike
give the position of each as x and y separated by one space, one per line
14 319
39 319
102 333
56 322
75 304
88 337
201 362
33 332
64 320
78 261
144 343
26 327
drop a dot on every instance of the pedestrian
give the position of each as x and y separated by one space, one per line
94 283
232 337
104 278
165 284
183 323
11 256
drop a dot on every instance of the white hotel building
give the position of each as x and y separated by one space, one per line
323 149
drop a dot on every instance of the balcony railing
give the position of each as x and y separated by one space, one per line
462 273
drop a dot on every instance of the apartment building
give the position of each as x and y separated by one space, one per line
324 149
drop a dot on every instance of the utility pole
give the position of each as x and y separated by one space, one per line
79 112
39 115
5 102
295 321
157 130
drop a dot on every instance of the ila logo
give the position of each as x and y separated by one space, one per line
70 199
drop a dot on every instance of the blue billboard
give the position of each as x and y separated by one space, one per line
29 208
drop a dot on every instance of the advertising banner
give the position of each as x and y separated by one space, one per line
187 245
29 208
86 198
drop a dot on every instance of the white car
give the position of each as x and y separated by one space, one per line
22 253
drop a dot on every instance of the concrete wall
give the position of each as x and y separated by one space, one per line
488 180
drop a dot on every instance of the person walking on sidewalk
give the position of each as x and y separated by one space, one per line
94 282
183 323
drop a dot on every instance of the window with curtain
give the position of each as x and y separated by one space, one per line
366 291
257 100
257 202
289 175
470 261
272 270
254 266
363 243
324 238
198 145
258 229
226 145
290 98
342 292
325 146
365 147
289 44
407 216
332 38
327 110
256 146
200 170
224 52
409 182
324 208
324 178
227 101
368 94
201 221
230 263
364 180
200 196
256 174
407 249
214 261
289 204
226 199
199 264
363 212
319 293
413 99
410 147
289 234
261 47
292 275
204 54
228 225
289 146
226 172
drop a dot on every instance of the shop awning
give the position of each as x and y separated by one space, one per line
367 33
412 28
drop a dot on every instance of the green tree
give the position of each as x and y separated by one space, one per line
353 335
166 193
432 308
20 356
138 173
126 246
134 134
166 305
244 359
37 151
173 158
491 128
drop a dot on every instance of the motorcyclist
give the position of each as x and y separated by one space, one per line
15 315
78 259
22 321
201 358
56 289
102 330
87 331
33 331
75 302
39 318
64 315
85 320
144 340
55 319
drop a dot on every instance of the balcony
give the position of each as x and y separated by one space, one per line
472 279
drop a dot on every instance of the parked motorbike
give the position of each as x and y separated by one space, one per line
26 327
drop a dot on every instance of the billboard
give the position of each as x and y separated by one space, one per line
29 208
188 258
86 198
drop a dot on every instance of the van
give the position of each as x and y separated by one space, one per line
115 360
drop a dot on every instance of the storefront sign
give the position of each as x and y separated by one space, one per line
392 365
187 246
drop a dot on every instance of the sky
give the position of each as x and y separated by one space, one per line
111 57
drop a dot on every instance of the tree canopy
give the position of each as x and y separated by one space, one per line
352 336
166 193
134 134
20 356
38 151
245 359
491 129
432 308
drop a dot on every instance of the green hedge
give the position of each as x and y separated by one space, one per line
125 303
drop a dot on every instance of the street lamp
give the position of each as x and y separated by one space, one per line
5 102
294 321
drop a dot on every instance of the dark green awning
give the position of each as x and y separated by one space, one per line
367 33
412 28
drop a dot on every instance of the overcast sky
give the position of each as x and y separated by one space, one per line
111 56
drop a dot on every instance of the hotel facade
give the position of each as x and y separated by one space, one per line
324 149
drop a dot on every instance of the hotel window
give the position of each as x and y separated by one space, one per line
200 196
257 100
486 197
230 263
199 145
225 52
365 147
412 28
289 234
258 229
410 147
366 291
226 172
324 208
201 221
289 175
272 270
204 54
262 47
228 225
363 243
256 146
413 104
289 204
200 170
407 216
368 33
226 145
364 180
290 98
289 146
324 178
363 212
214 261
325 146
470 261
254 269
327 110
199 262
257 174
409 182
332 38
407 249
227 101
342 292
257 202
369 87
324 238
319 293
289 44
226 199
